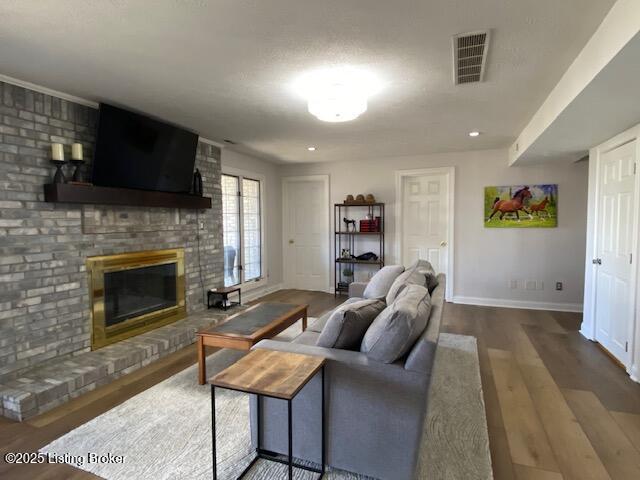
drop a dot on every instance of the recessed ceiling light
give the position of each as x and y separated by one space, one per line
337 94
311 149
474 134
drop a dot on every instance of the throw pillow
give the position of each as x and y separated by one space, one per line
380 283
348 323
395 330
425 268
408 277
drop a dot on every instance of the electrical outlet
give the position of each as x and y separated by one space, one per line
201 225
539 286
558 286
513 284
530 285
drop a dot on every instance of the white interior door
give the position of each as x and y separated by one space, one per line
425 217
614 296
306 232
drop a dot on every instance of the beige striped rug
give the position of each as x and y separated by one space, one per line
164 432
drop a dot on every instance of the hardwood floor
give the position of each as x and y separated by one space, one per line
557 406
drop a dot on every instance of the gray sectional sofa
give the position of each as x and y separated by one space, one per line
374 409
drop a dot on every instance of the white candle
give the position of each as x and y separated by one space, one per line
76 151
57 152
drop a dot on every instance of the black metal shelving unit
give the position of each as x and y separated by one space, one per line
346 239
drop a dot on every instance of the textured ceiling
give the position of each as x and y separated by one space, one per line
225 68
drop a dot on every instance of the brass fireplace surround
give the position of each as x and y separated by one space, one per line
103 335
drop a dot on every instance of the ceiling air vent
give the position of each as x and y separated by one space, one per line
470 56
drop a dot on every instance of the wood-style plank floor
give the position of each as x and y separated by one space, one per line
557 406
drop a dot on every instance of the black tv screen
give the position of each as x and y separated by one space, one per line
135 151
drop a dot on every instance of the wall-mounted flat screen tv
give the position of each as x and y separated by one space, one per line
135 151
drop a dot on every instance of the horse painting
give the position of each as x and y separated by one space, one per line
521 206
540 207
511 206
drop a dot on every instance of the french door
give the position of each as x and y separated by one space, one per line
242 229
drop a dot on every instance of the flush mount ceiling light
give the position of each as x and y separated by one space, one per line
311 149
474 134
337 94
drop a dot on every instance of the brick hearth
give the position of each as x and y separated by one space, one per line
46 386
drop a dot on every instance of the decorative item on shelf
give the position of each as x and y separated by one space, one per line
343 285
197 183
347 272
370 198
351 223
370 225
77 159
349 199
57 158
360 198
346 253
367 257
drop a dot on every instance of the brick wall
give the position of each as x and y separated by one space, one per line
44 301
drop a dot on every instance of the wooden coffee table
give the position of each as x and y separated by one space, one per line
244 329
272 374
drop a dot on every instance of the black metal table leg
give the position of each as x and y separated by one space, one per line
268 455
322 428
259 427
290 423
213 430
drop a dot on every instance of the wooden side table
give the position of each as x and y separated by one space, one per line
222 294
246 328
273 374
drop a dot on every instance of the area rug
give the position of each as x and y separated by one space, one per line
165 432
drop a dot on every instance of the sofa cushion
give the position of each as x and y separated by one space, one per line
306 338
395 330
425 268
380 283
318 324
408 277
348 323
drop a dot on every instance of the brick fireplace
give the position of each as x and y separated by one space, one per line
45 299
132 293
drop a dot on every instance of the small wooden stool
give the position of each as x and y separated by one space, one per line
222 294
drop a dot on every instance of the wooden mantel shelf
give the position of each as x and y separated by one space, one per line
92 194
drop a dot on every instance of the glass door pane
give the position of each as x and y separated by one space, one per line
231 229
252 248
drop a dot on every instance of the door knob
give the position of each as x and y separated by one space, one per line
291 241
443 243
597 261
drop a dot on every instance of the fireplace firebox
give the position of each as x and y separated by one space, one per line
132 293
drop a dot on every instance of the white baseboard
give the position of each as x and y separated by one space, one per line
586 334
505 303
260 292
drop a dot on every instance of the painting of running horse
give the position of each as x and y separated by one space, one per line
521 206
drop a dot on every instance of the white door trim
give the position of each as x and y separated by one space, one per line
588 327
285 207
450 172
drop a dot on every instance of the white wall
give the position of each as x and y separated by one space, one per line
486 259
272 208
